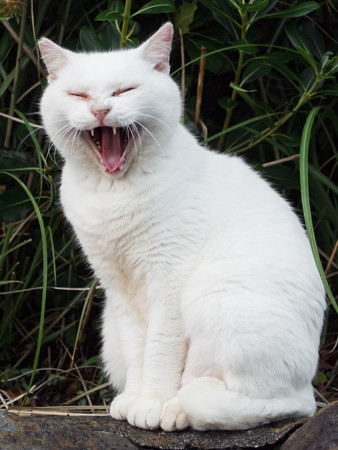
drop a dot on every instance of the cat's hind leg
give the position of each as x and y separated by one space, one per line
173 416
252 353
210 406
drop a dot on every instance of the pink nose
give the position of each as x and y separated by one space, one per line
100 114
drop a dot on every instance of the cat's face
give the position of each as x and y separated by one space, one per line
108 110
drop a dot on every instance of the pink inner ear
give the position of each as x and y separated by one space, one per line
161 67
54 57
156 50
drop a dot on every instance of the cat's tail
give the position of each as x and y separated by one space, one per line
210 406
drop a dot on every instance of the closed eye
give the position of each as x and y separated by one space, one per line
122 91
82 95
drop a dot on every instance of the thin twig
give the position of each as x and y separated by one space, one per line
84 387
16 76
200 86
15 119
281 161
35 85
25 47
59 411
56 288
182 74
83 325
78 397
334 251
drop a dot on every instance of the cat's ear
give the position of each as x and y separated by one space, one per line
156 50
54 57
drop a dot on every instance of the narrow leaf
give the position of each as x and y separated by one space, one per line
156 7
296 11
304 187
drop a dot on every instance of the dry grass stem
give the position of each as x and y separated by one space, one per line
200 83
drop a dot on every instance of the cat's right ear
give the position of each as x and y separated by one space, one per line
54 57
156 50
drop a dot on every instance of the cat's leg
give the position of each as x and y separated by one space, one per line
211 406
123 349
173 416
251 357
163 358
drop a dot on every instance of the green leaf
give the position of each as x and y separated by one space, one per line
296 11
263 13
225 15
156 7
184 16
90 361
44 277
237 88
115 12
304 186
227 103
245 46
256 5
89 40
15 161
108 15
331 67
308 77
253 71
298 39
14 205
6 83
320 378
314 39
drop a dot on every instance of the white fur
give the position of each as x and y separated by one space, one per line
214 305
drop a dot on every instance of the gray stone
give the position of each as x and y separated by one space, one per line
265 436
102 432
59 432
318 433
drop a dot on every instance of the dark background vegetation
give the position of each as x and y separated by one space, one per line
268 70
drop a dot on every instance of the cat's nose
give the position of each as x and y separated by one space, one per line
100 114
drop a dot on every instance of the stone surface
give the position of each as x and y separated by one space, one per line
59 432
318 433
102 432
266 436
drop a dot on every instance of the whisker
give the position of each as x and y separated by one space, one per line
151 134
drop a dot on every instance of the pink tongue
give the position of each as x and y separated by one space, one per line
111 149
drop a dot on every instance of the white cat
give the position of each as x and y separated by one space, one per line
214 305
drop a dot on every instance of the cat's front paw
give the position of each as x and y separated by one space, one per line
173 416
145 413
120 405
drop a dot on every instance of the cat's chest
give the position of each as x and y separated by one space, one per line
120 232
103 220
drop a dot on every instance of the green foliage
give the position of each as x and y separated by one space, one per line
268 67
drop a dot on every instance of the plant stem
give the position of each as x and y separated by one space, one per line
270 131
200 87
16 76
125 24
238 74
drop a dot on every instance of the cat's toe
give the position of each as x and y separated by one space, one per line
120 405
173 416
145 413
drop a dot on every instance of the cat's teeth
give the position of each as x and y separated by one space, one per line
92 132
114 130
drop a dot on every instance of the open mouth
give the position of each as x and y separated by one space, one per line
111 146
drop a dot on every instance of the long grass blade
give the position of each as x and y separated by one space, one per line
44 275
305 196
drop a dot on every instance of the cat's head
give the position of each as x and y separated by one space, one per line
107 110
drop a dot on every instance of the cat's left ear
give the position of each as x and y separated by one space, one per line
156 50
54 57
